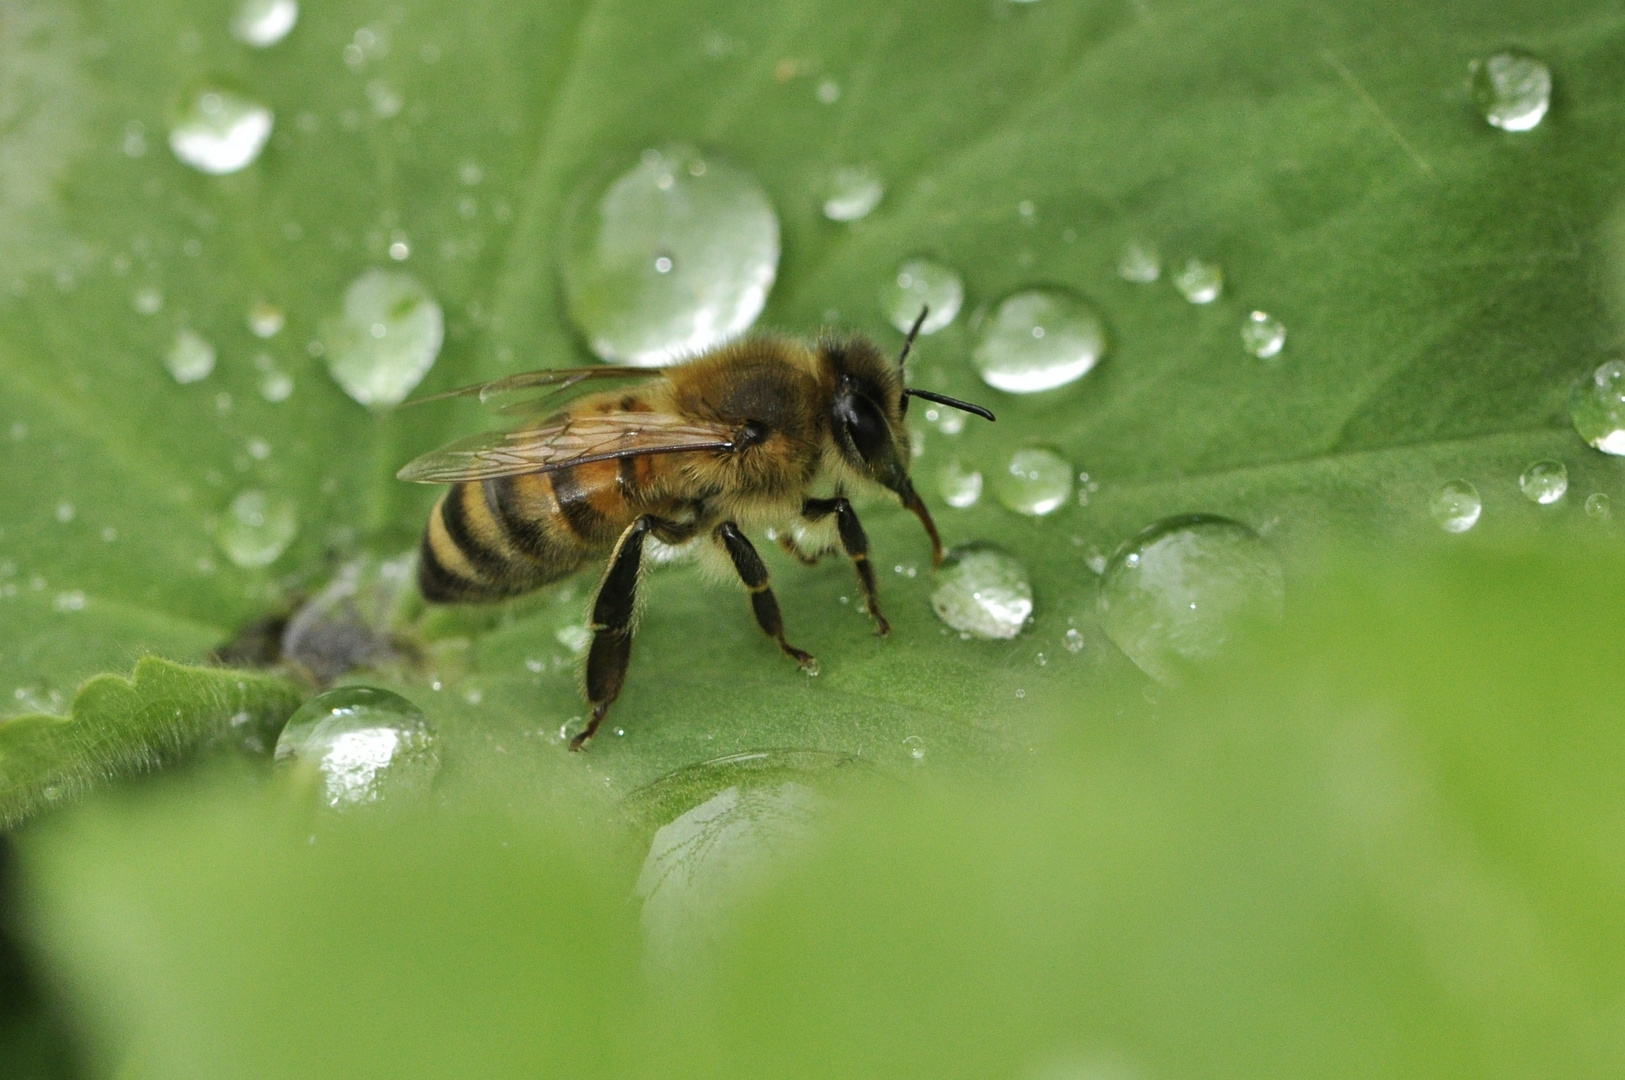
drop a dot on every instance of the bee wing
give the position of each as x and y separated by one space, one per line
550 382
570 440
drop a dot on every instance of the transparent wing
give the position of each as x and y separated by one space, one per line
570 440
539 387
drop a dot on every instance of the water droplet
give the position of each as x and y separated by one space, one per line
470 173
716 226
1263 335
191 357
1176 593
1037 340
1545 482
69 601
275 385
1035 482
386 338
385 99
1456 506
219 131
266 320
263 23
1597 506
852 192
109 534
1597 408
257 528
663 264
960 485
918 283
135 139
982 592
1512 89
66 511
576 638
258 449
1200 282
1073 639
366 746
147 300
1139 262
400 250
829 91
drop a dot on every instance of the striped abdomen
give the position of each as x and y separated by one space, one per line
498 538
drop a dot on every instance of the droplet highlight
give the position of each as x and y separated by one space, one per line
219 131
1597 408
365 745
1037 340
983 592
263 23
1200 282
1036 481
1456 506
1139 262
257 528
1512 89
190 358
852 192
1263 335
959 485
923 283
385 339
1544 482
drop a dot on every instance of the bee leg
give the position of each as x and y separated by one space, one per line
753 572
856 546
612 612
794 551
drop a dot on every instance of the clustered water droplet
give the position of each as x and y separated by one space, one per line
385 339
1597 408
1512 89
219 131
852 192
923 283
1200 282
1177 593
1544 482
1037 339
190 358
712 223
1263 335
257 528
1456 506
365 745
1036 481
982 592
959 485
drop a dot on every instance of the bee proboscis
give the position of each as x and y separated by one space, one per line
766 432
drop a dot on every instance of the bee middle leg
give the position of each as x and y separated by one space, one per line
856 545
753 572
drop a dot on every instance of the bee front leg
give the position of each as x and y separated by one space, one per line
612 613
753 572
856 546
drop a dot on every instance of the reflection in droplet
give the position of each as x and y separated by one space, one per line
257 528
219 131
1139 262
1544 482
190 358
712 221
922 283
1200 282
1597 408
1597 507
385 339
1037 340
852 192
1512 89
1177 593
1263 335
959 485
1456 506
366 746
1035 482
263 23
982 592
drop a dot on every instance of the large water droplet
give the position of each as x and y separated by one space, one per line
923 283
1545 482
960 485
257 528
1139 262
1263 335
219 131
385 339
263 23
1200 282
1177 593
1512 89
1597 408
366 745
1037 340
1456 506
983 592
190 358
717 230
1035 482
852 192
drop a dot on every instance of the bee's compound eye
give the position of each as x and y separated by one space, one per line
867 428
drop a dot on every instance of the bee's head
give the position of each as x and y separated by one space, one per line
867 416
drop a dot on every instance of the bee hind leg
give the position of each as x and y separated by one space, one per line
612 613
753 572
856 545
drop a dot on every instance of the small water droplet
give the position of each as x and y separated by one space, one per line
1544 482
852 192
1597 408
470 173
190 358
663 264
1073 639
135 139
69 601
258 449
1176 593
366 746
982 592
1139 262
275 385
219 131
1597 506
1035 482
385 339
920 283
266 320
959 485
1456 506
716 226
1041 660
576 638
1200 282
263 23
257 528
147 300
19 431
1263 335
386 101
66 511
829 91
400 250
1037 340
1512 89
109 534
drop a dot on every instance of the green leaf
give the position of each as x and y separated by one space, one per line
120 727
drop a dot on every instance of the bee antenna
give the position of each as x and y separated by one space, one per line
952 403
913 332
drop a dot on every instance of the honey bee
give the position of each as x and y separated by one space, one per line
766 432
